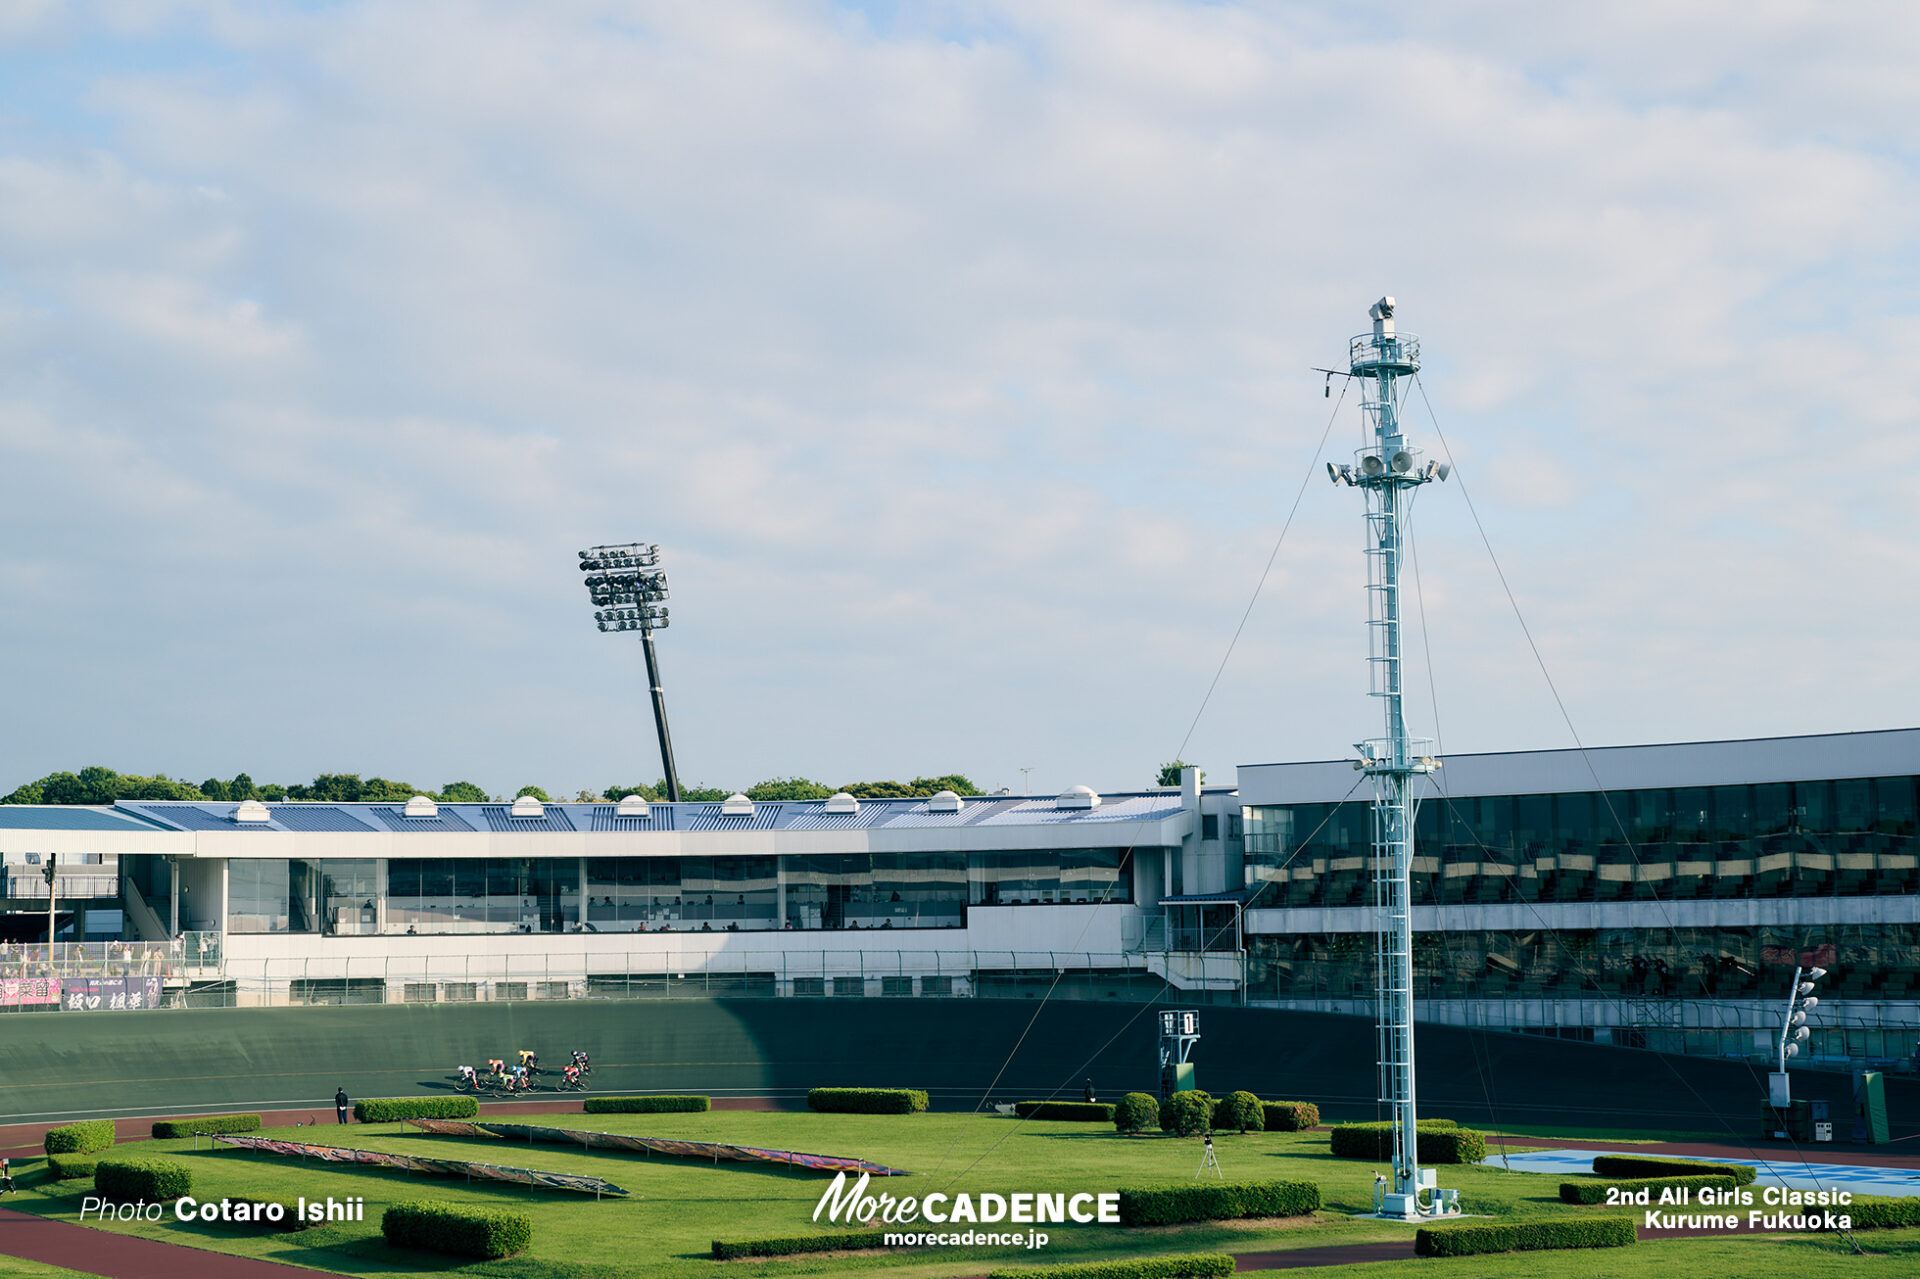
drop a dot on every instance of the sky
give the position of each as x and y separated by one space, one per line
960 359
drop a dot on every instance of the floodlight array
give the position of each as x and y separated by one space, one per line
627 585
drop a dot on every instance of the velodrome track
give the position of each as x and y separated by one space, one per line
61 1066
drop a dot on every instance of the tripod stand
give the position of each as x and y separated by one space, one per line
1209 1161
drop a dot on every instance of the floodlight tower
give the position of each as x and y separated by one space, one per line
1793 1031
1389 469
629 589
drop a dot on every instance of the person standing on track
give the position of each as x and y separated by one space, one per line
6 1175
340 1103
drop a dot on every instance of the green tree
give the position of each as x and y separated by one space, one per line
651 794
879 790
1170 773
242 788
273 792
62 788
704 794
378 790
534 791
159 786
25 793
98 785
954 782
214 788
333 788
462 793
778 788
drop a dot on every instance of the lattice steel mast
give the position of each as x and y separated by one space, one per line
1389 469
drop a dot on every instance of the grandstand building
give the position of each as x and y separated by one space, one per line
1654 896
318 902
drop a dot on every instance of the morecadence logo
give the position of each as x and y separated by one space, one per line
851 1204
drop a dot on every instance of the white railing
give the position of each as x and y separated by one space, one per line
180 958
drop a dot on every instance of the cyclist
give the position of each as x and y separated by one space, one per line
580 1060
573 1077
468 1078
496 1066
529 1060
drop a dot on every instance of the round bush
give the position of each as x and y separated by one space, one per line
1187 1114
1242 1112
1136 1112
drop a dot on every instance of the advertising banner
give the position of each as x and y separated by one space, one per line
109 994
19 992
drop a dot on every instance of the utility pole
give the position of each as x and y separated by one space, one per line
1388 470
49 870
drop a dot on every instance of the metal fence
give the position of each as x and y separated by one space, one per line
184 957
488 977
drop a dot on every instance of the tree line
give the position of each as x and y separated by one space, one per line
98 785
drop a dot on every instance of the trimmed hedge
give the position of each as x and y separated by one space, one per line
1198 1265
149 1178
645 1105
1595 1192
1882 1213
1242 1112
1187 1114
1290 1116
164 1128
867 1101
1655 1166
1440 1141
82 1138
1614 1231
1217 1201
71 1167
387 1110
1092 1112
1137 1112
456 1230
792 1245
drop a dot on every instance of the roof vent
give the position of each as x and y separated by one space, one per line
252 811
944 802
632 806
1078 797
737 806
421 806
528 806
841 802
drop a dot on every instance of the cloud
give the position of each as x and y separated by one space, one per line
961 363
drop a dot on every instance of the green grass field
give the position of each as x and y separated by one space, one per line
678 1207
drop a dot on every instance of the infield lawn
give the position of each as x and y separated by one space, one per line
678 1207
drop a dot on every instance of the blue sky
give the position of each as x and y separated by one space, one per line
959 357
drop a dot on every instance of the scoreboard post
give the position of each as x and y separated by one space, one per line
1179 1032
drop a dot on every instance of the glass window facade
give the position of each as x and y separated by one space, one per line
652 894
664 894
1853 837
1863 961
877 890
483 895
1051 876
258 896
